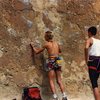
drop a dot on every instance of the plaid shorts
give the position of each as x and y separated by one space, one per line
54 63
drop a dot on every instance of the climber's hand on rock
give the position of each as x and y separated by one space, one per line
32 44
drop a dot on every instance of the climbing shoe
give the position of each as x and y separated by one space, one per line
56 98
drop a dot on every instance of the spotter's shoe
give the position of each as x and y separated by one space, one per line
64 98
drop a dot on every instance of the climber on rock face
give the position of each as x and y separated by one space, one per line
52 63
92 58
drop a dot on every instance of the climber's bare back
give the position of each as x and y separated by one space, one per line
52 48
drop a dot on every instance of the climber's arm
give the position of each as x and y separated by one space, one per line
38 50
87 45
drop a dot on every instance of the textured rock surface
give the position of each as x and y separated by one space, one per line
24 21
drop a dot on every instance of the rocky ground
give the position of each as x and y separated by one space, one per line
22 22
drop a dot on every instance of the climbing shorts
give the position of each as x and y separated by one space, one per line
54 63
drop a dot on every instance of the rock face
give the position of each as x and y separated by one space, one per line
23 21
